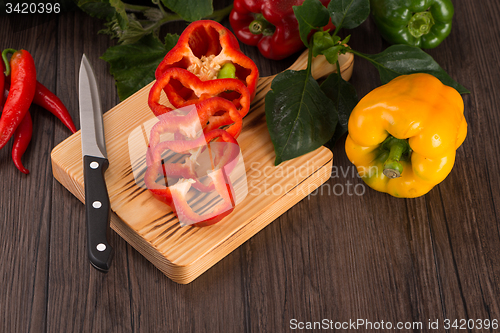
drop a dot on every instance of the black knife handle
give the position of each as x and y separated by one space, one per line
98 210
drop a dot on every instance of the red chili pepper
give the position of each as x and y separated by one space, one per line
195 91
269 25
22 91
204 48
50 102
22 138
183 129
2 83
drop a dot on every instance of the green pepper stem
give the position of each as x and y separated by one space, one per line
392 166
420 24
219 14
261 26
135 8
228 71
6 61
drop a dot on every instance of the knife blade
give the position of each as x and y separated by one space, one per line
95 163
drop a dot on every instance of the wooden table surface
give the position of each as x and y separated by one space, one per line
331 257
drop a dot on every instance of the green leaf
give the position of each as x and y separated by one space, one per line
348 13
399 60
98 8
170 41
322 40
190 10
332 54
311 15
299 116
133 65
133 33
120 11
344 96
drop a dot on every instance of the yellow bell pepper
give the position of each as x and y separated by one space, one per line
403 135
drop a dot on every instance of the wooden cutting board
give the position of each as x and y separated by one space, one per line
184 253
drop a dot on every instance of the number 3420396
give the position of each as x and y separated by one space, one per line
32 8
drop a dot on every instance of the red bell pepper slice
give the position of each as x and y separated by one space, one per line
203 48
195 91
188 143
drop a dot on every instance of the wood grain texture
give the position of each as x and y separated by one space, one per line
331 256
183 253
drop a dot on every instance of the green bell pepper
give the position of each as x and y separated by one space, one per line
421 23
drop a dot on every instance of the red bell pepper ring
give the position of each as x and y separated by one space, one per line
195 91
269 25
209 112
186 129
223 161
22 138
22 91
204 48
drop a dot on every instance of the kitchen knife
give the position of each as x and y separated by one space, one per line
95 163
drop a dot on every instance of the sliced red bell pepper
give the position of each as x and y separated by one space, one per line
193 90
187 142
204 48
212 113
269 25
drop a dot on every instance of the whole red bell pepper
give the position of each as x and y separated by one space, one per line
204 48
22 91
269 25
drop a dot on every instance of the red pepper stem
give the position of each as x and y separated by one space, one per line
261 26
392 166
6 61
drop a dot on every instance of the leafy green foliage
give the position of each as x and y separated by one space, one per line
401 59
133 61
98 8
311 15
190 10
299 116
329 46
349 13
133 65
344 97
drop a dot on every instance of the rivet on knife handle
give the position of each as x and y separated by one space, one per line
98 212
